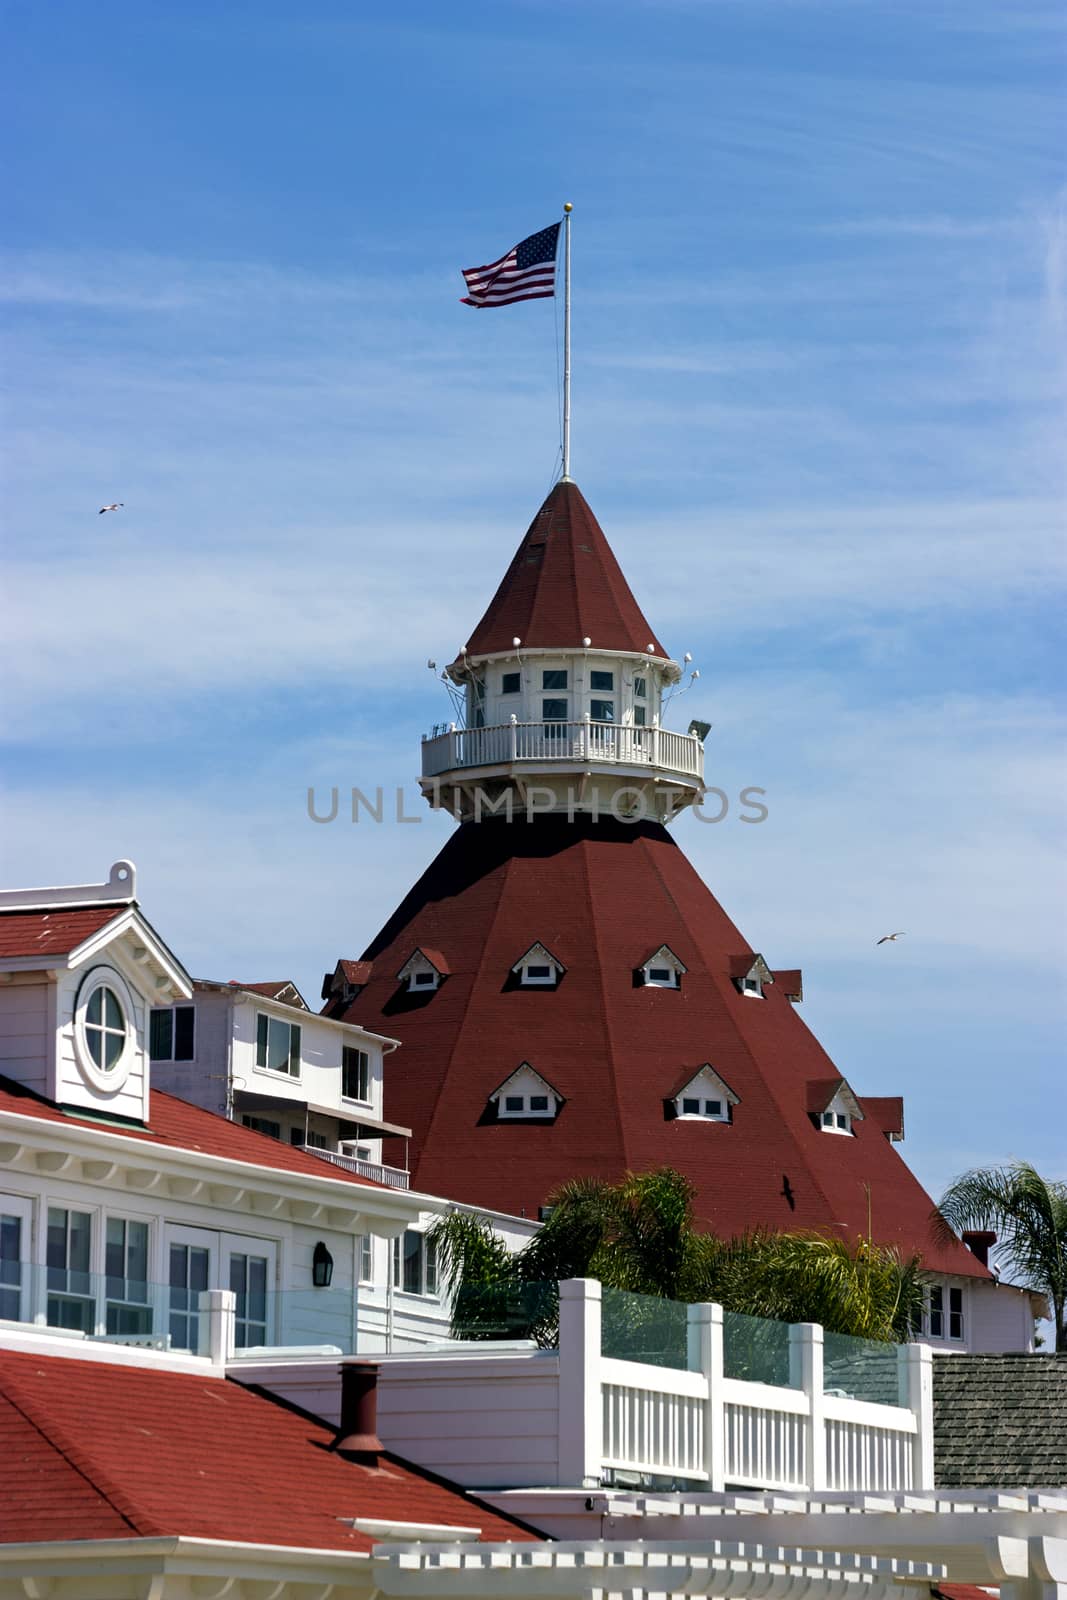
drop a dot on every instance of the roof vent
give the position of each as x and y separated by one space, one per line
357 1437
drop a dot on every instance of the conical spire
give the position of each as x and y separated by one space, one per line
564 585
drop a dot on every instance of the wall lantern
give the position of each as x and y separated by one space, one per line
321 1266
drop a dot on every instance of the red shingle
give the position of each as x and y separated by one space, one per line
90 1450
53 933
183 1126
600 896
563 585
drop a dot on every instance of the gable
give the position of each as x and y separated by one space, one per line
527 1085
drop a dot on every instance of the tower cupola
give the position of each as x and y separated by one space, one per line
564 688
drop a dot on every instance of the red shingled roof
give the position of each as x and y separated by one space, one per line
92 1450
600 896
182 1126
563 585
53 933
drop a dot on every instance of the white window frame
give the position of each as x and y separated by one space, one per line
282 1022
672 981
108 1080
703 1114
21 1207
358 1099
365 1258
752 988
429 1267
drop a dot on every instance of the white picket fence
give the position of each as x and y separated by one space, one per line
496 1417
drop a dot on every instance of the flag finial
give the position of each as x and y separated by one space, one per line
568 206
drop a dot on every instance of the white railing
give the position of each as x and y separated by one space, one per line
393 1177
609 743
575 1418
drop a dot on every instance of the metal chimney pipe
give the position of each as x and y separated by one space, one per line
357 1437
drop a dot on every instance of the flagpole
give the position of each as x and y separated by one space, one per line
567 341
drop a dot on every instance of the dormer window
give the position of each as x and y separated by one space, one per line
704 1096
422 971
663 970
833 1107
538 968
525 1096
750 974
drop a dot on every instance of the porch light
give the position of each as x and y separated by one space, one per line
321 1266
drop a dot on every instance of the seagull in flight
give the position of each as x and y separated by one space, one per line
887 938
116 505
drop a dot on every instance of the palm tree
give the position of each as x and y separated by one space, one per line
639 1235
1029 1213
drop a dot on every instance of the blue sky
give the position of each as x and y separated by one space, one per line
820 348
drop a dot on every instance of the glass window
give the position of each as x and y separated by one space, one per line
171 1033
842 1120
277 1045
553 710
424 980
640 689
690 1108
602 680
355 1074
752 985
539 1102
10 1266
365 1258
602 710
713 1108
514 1102
105 1027
70 1298
554 678
273 1130
189 1265
414 1264
639 716
127 1308
248 1280
955 1313
511 683
937 1312
537 972
665 976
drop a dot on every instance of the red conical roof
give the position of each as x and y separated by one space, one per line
603 897
563 585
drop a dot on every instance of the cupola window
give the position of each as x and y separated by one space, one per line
602 710
554 710
640 688
554 678
525 1096
423 971
511 683
601 681
538 968
663 970
703 1096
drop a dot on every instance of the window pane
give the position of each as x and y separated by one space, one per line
161 1035
554 679
137 1251
602 710
514 1102
294 1050
80 1226
413 1263
184 1029
553 710
691 1108
602 680
538 972
639 716
713 1108
660 975
842 1120
539 1102
511 683
262 1027
113 1011
431 1268
94 1010
115 1248
277 1045
113 1048
94 1039
57 1237
639 688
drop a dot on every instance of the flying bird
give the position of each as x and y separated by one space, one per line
116 505
887 938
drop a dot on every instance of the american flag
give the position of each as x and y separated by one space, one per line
527 272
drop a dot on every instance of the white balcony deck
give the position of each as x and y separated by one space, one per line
563 745
392 1177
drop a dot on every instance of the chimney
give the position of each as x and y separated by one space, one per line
357 1437
979 1242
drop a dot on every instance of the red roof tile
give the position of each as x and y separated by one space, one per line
53 933
90 1450
563 585
180 1125
600 896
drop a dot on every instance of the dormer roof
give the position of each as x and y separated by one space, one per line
711 1077
421 957
790 981
751 965
564 585
822 1092
346 978
539 955
664 957
283 990
886 1111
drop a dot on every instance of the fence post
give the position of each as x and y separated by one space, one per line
513 726
581 1413
704 1346
806 1372
915 1370
218 1319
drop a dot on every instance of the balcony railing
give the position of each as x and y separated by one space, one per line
652 1393
603 743
392 1177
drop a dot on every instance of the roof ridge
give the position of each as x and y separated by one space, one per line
81 1461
